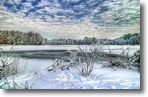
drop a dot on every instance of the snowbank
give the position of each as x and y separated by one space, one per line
100 78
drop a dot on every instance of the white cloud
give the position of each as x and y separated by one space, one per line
43 3
17 1
69 27
27 5
71 0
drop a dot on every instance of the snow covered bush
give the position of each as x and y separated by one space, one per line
121 60
60 64
89 54
14 85
9 64
136 58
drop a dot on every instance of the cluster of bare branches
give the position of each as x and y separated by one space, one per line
13 85
121 61
88 57
89 54
54 66
10 64
60 64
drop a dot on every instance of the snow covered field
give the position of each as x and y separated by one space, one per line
100 78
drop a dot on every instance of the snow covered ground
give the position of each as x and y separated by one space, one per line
100 78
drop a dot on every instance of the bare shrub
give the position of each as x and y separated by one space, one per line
59 64
135 59
27 86
54 66
122 60
10 64
89 54
10 84
14 85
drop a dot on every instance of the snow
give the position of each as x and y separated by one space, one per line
39 47
100 78
116 49
59 47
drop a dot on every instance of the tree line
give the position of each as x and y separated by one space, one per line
31 38
127 39
85 41
20 38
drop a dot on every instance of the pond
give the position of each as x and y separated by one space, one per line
39 57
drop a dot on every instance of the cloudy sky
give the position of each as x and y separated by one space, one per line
71 18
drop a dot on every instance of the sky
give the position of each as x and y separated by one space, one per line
73 19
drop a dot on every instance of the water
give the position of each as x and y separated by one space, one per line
35 65
38 58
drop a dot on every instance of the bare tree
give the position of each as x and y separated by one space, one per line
89 54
